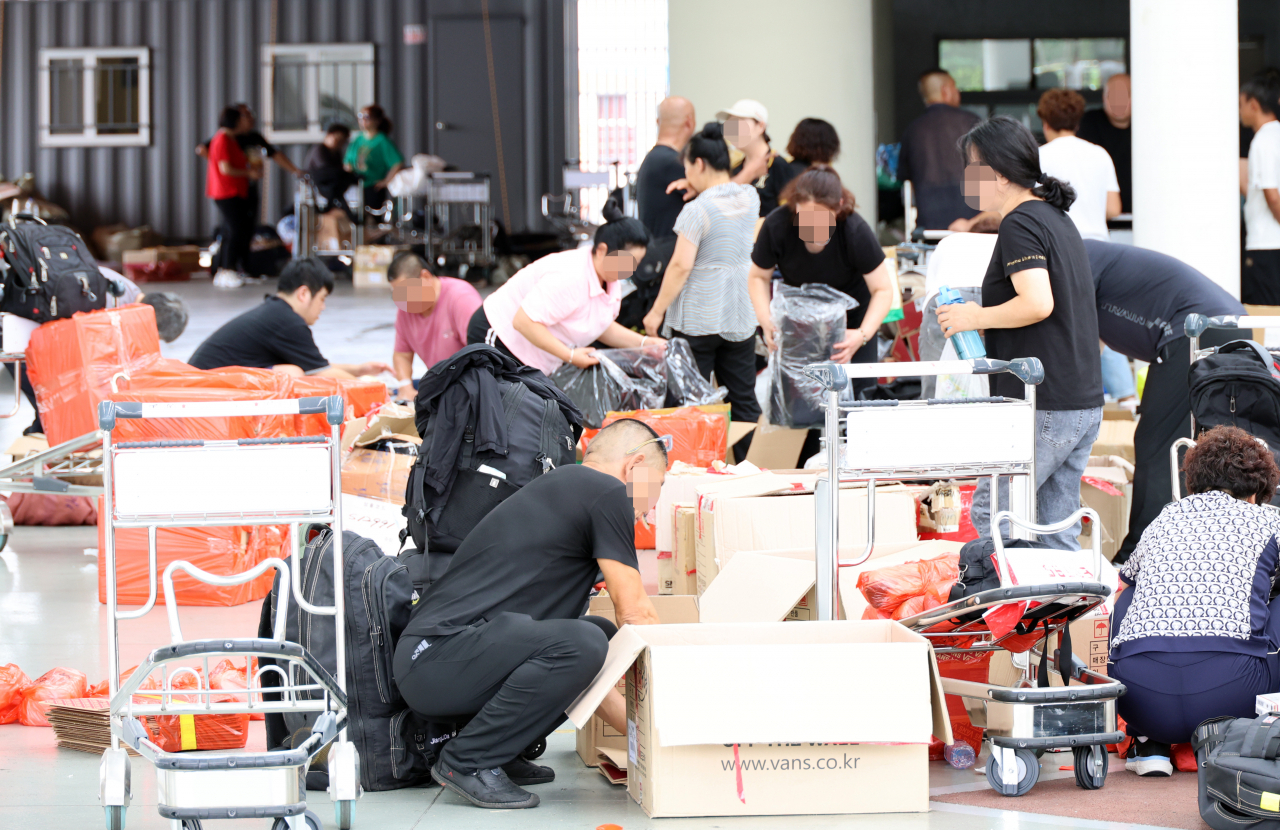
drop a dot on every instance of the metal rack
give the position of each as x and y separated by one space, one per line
458 219
294 480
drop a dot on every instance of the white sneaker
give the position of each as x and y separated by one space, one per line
226 278
1149 759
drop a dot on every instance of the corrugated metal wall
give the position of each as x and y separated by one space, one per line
207 53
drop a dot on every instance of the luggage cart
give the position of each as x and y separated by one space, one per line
251 481
999 440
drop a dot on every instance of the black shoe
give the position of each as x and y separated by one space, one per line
1149 759
526 773
489 788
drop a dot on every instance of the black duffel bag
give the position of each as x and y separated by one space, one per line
1239 787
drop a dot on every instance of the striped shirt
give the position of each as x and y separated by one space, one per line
721 222
1202 577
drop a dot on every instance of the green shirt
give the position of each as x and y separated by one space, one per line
372 158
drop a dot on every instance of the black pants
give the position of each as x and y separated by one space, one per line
479 331
1166 417
735 368
237 232
511 678
1260 278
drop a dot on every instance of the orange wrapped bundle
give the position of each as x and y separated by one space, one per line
182 733
71 363
170 389
360 396
887 588
54 684
699 438
218 550
939 575
12 681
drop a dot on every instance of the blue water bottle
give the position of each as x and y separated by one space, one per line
968 343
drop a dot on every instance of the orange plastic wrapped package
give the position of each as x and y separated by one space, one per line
914 605
52 685
887 588
218 550
227 675
939 575
360 397
182 733
12 681
873 613
207 429
699 438
71 363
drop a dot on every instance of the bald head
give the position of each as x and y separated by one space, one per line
676 121
938 87
1116 101
623 439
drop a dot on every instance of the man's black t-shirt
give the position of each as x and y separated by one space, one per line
533 554
658 209
1036 234
1144 297
930 159
852 253
1097 128
266 336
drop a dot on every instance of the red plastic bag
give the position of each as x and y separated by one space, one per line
699 438
939 575
12 681
873 613
52 685
52 510
887 588
1184 758
182 733
164 271
975 666
71 363
227 675
914 605
936 748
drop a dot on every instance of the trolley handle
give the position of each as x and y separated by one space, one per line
1057 527
331 407
171 604
1198 324
835 377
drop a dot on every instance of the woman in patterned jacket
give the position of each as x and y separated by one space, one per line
1197 635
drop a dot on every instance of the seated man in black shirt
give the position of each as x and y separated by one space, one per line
1144 298
277 334
500 638
324 166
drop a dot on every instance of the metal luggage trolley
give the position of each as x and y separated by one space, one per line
998 440
252 481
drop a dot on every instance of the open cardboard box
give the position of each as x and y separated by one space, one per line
1107 487
858 744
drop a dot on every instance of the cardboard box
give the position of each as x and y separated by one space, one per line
1107 487
187 257
391 420
378 475
727 524
1112 411
857 745
598 744
1115 438
370 268
1260 335
684 559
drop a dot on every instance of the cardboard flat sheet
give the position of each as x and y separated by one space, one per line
756 588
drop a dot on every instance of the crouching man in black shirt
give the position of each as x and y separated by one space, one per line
500 640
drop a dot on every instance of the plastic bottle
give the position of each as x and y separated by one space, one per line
959 755
968 343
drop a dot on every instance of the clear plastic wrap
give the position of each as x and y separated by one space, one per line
808 321
628 380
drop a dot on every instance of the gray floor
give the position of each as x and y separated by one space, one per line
49 616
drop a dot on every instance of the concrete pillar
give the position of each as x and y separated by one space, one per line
1183 58
812 59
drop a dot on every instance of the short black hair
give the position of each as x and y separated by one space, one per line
229 118
309 271
710 146
171 313
1264 87
405 264
619 231
339 128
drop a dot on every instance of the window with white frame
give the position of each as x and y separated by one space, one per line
308 86
99 97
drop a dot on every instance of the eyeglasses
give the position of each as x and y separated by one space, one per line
667 442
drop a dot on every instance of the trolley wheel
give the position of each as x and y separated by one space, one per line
115 815
4 540
343 813
1028 773
312 822
1091 766
535 750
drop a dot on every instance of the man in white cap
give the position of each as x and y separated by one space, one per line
745 126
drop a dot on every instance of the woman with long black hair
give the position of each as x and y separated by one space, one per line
1037 301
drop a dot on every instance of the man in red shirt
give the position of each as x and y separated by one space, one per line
227 184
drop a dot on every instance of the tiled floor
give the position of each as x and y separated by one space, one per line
49 616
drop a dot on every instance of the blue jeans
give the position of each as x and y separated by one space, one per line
1063 440
1117 375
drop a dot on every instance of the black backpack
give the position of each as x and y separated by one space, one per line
1238 385
1239 774
49 273
647 280
539 439
396 747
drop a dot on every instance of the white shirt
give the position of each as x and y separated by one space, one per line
959 261
1089 170
1262 231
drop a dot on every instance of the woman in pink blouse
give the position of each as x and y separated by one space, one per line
551 311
